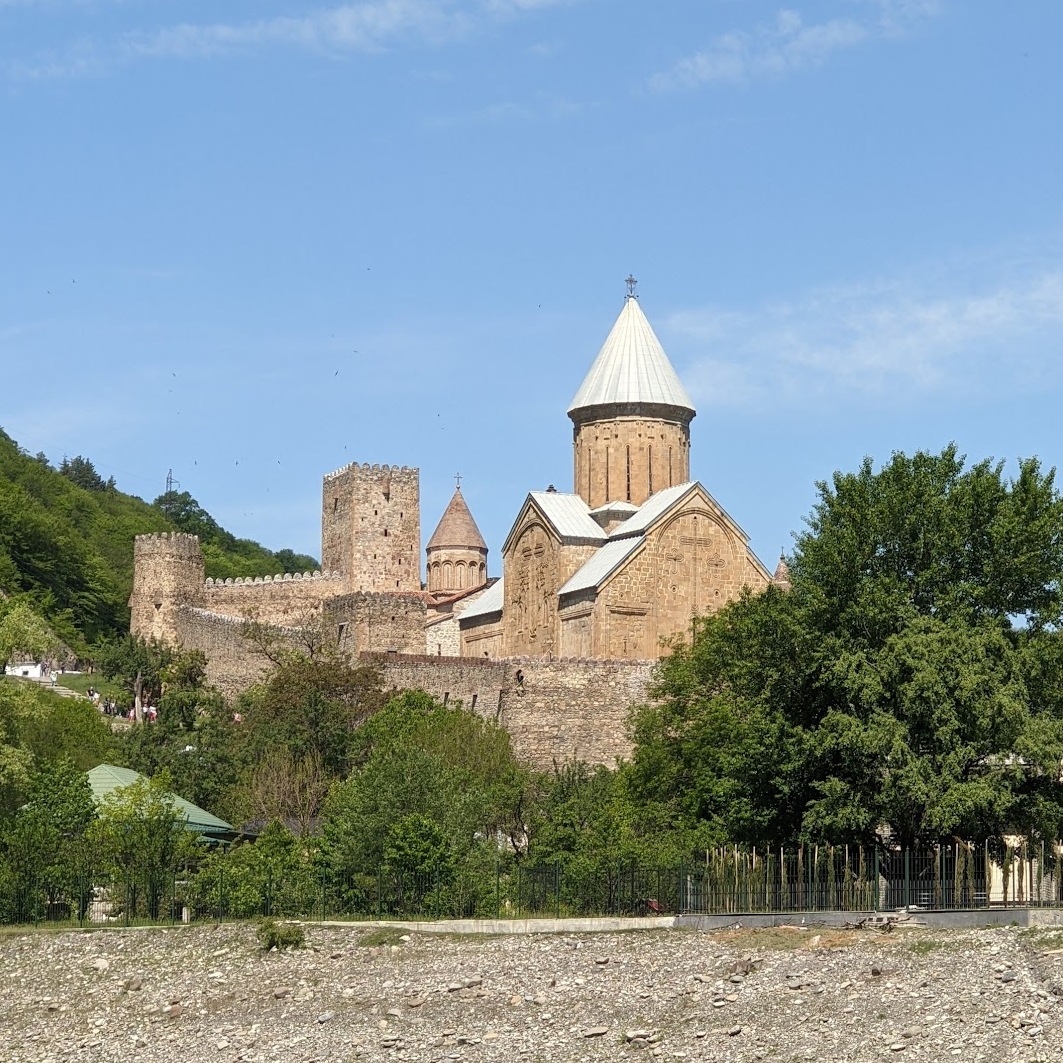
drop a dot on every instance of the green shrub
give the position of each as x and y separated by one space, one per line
274 935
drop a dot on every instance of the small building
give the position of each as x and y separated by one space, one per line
25 669
104 779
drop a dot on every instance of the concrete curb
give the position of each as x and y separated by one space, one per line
915 918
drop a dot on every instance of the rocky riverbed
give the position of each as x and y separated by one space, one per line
200 993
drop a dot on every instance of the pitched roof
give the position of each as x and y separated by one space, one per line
651 509
569 514
489 602
631 368
456 528
106 778
601 565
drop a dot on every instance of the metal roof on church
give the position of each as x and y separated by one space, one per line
570 515
651 509
631 368
601 565
489 602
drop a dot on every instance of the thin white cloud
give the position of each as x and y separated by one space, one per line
367 26
878 342
789 44
350 27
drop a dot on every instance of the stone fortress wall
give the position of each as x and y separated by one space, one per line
554 709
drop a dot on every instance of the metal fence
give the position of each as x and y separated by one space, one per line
726 881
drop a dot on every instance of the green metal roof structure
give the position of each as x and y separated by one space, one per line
106 778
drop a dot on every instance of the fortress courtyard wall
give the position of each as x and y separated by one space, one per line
285 600
556 709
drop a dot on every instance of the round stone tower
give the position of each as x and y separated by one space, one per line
168 575
631 417
457 553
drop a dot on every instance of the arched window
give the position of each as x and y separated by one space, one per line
649 466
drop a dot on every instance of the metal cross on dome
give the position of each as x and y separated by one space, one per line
457 480
631 283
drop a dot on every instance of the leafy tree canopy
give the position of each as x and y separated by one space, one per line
431 786
22 630
81 471
911 680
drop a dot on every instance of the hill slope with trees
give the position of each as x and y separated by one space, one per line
66 543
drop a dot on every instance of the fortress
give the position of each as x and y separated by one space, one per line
593 584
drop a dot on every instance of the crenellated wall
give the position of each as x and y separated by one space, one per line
556 710
288 599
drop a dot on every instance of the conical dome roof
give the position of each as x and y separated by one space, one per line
781 578
631 368
456 528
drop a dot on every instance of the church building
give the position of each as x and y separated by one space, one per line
606 573
619 566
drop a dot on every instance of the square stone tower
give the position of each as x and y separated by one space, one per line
371 527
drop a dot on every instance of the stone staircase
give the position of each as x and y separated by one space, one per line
62 691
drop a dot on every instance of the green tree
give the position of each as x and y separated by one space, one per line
22 630
141 838
311 705
47 842
910 679
136 664
432 786
82 472
271 876
187 515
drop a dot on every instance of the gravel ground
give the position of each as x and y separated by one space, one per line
199 993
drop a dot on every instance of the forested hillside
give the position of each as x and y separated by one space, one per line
66 542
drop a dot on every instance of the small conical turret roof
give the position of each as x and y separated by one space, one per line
781 579
456 528
631 368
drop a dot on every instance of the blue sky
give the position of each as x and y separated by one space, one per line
253 241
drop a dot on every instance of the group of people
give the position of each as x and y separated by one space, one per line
109 707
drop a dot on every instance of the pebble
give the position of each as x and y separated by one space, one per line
487 998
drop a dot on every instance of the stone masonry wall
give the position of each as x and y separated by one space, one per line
562 709
694 564
167 577
233 663
535 566
366 622
288 599
371 527
628 459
